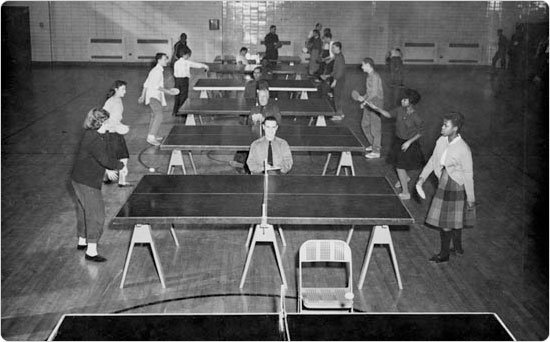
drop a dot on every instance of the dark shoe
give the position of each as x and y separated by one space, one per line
81 247
125 185
457 251
107 181
438 258
97 258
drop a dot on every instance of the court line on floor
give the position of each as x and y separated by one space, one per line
164 301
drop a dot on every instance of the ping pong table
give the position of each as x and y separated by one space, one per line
235 199
237 138
223 106
484 326
205 84
281 59
279 69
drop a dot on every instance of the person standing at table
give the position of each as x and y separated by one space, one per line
179 44
251 86
318 27
314 46
182 73
153 95
116 129
327 56
241 57
501 52
338 75
406 153
272 44
371 122
271 148
453 205
92 160
258 113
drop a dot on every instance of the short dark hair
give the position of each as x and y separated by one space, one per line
317 31
328 35
272 26
369 60
338 44
456 118
271 118
183 36
326 30
243 49
412 95
159 55
95 118
263 85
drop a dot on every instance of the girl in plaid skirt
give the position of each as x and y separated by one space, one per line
453 205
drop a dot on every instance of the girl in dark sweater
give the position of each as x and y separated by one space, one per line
92 159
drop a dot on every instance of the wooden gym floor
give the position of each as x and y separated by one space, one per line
504 269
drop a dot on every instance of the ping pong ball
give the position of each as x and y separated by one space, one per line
151 169
349 295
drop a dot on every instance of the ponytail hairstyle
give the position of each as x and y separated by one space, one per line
117 84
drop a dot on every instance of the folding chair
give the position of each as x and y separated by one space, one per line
334 298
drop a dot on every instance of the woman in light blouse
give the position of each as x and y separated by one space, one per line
453 204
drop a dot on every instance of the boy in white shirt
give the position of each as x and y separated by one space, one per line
241 58
182 72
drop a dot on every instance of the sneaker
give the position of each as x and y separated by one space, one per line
337 118
153 142
368 149
372 155
159 138
404 197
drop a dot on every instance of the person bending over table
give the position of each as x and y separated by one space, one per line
92 159
258 113
271 148
182 73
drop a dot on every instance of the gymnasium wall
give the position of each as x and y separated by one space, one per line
428 32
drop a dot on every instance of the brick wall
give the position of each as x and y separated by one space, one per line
365 28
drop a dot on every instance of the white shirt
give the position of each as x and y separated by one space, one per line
154 81
242 59
115 108
444 155
182 67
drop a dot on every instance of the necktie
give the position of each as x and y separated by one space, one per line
270 155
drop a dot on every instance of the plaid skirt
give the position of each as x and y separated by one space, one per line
448 209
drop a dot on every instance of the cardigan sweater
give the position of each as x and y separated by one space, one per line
457 162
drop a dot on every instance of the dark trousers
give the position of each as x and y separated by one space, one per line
90 213
500 54
182 83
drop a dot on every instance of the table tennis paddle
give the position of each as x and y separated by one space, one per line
420 191
355 95
173 91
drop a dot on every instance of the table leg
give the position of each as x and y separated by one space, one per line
321 122
304 95
190 120
345 161
176 159
174 236
142 234
203 95
329 155
192 161
263 233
